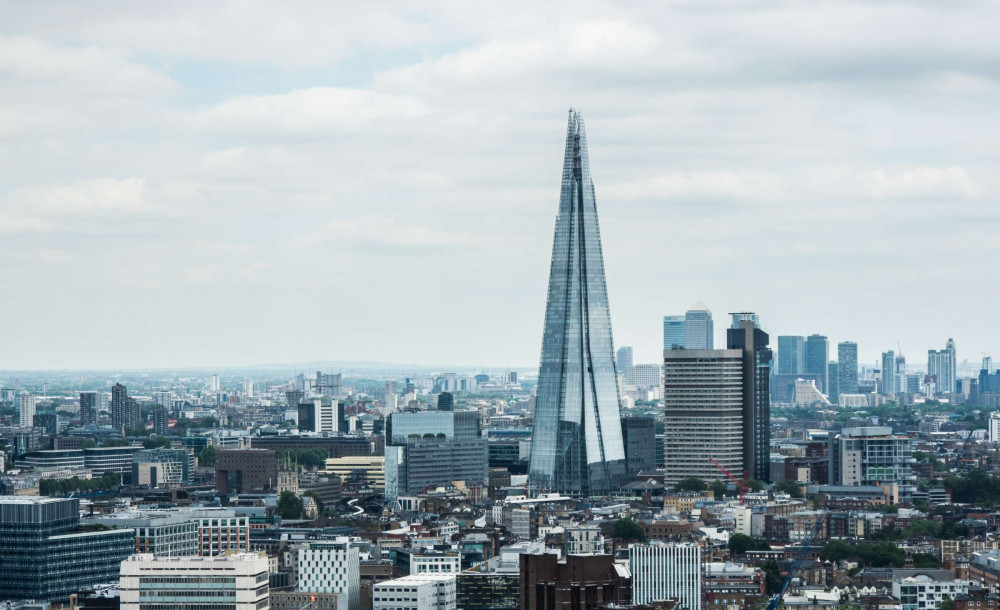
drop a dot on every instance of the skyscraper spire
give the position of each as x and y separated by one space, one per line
577 443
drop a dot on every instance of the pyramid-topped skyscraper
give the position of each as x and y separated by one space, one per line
577 443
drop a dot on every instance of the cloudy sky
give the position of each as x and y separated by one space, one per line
231 183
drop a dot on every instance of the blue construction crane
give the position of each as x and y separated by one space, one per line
776 600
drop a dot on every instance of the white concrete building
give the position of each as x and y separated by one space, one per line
330 567
994 427
416 592
435 563
238 581
663 571
926 589
584 539
26 406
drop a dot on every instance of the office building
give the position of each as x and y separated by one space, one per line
446 401
645 376
817 357
89 406
872 456
791 355
416 592
847 369
161 419
233 582
240 471
887 374
322 416
160 533
673 332
753 342
639 436
624 360
26 410
433 448
369 469
942 367
577 439
162 467
495 583
551 583
330 566
98 459
703 409
833 372
699 331
666 571
293 398
43 557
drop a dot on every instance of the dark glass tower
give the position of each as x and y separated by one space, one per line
749 338
577 443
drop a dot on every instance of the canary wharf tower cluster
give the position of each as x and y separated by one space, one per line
577 445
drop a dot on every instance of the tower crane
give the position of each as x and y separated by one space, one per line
741 484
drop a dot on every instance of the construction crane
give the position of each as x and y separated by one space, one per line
741 484
776 600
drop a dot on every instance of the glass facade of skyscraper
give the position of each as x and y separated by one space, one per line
847 369
577 443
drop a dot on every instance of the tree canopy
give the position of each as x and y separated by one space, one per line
627 529
289 505
690 484
741 543
868 555
789 487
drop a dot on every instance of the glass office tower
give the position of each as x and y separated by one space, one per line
577 443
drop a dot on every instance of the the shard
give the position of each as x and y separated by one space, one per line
577 443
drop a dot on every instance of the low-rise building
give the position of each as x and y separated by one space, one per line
416 592
237 581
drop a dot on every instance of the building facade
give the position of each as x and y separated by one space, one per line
43 554
673 332
330 567
416 592
817 357
233 582
245 470
577 443
847 359
666 571
624 360
639 436
703 413
873 456
753 343
791 355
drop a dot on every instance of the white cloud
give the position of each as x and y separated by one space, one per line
374 230
100 196
317 111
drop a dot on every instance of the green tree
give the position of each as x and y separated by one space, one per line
627 529
741 543
690 484
207 456
836 550
926 561
755 485
289 505
789 487
773 573
116 442
719 489
947 604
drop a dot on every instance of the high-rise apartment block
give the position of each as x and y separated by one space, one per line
624 360
847 369
673 332
231 582
817 357
887 374
717 405
322 416
89 406
703 409
161 420
699 330
26 410
43 556
833 370
577 443
942 366
666 571
126 413
791 355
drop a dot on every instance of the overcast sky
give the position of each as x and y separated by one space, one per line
213 184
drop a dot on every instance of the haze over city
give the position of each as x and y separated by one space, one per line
228 184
